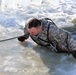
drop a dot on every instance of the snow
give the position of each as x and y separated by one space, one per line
33 8
28 58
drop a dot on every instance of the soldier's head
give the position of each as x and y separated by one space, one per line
34 26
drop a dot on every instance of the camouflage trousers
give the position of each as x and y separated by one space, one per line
71 45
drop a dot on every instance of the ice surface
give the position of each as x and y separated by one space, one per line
28 58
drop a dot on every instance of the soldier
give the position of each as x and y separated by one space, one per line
45 33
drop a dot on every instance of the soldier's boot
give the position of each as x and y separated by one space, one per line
74 54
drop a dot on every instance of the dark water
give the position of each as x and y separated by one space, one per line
74 36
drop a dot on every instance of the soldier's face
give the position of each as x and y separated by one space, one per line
34 31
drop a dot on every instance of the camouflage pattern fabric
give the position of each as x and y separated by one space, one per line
60 36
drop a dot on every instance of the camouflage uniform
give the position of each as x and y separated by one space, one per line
60 36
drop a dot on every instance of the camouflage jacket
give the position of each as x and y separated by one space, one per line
58 35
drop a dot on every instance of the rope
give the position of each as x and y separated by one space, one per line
9 39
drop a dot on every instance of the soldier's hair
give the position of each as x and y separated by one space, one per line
34 23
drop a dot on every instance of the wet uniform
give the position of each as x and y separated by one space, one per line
51 35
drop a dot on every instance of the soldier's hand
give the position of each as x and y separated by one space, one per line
21 38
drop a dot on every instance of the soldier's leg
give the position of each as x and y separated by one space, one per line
71 45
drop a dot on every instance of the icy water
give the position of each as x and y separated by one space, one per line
27 58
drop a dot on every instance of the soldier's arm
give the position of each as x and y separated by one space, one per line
26 33
53 35
25 36
54 32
